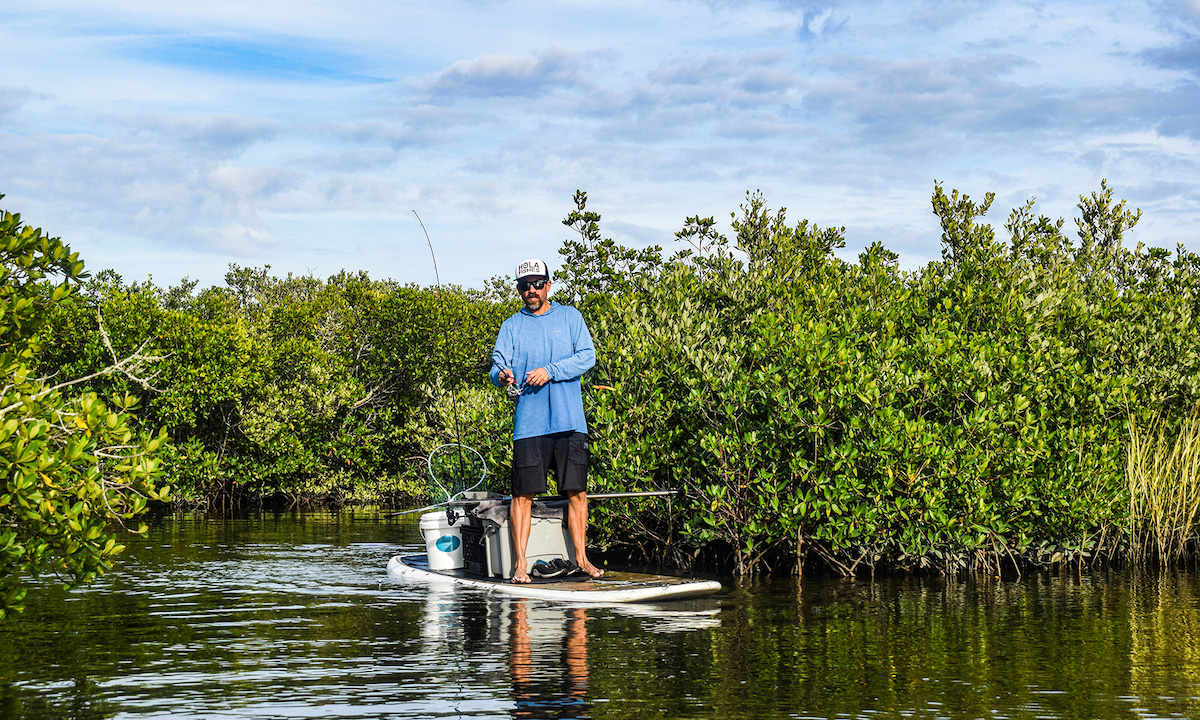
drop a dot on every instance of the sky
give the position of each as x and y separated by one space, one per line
167 140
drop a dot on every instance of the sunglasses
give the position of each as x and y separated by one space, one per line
536 285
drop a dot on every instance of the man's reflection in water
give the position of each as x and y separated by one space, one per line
549 670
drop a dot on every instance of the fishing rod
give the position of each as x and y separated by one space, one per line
541 498
458 478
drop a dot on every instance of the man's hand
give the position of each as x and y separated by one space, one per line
506 377
537 378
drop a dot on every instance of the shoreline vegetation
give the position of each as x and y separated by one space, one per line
1028 399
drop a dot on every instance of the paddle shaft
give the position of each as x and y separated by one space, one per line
605 496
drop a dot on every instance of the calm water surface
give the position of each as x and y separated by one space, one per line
294 616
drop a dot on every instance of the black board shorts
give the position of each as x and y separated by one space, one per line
566 452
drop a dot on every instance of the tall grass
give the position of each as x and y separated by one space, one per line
1162 467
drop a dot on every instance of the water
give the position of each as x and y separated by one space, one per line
294 616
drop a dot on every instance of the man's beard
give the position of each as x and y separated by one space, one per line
533 304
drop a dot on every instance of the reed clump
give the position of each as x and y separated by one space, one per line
1163 470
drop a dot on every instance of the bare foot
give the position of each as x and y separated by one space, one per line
520 577
591 569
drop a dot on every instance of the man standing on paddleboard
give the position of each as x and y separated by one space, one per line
541 352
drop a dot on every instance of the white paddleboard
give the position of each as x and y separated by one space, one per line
614 587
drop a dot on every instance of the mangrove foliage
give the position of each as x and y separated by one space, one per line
1007 403
971 413
75 467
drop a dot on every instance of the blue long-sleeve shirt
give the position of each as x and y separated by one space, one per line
559 341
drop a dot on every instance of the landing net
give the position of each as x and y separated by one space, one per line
455 469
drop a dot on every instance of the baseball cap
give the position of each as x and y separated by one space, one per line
532 267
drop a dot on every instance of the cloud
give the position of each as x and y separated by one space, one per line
244 241
144 190
1156 191
922 100
12 98
1188 10
217 136
755 91
637 235
939 15
821 23
808 7
227 134
245 185
1184 55
761 80
415 126
711 70
497 76
350 160
1176 110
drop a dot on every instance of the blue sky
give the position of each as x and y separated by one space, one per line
171 139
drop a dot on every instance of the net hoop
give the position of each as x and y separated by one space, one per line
451 494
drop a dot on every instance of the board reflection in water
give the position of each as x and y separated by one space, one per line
546 644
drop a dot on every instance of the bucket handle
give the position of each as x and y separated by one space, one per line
422 530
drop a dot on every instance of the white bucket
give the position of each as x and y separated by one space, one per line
443 543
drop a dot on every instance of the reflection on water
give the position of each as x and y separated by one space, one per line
544 646
549 664
294 616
